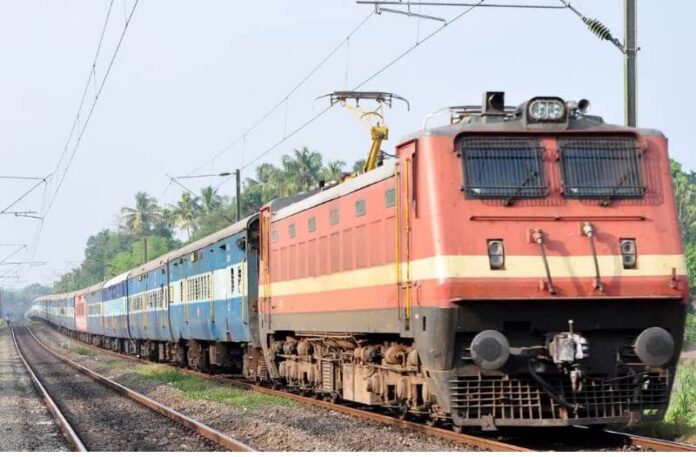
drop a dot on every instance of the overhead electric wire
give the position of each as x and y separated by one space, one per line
21 197
49 201
94 104
90 77
365 81
284 99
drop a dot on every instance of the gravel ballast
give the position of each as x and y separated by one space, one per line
103 419
263 422
25 423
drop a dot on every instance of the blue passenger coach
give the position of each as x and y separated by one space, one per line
115 309
196 305
210 292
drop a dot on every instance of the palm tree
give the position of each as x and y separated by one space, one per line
358 166
140 219
333 171
210 200
185 212
303 170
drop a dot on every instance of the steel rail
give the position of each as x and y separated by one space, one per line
188 422
470 440
63 423
655 444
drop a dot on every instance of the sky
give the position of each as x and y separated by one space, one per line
191 76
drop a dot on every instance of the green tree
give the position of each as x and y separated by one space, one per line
141 218
333 171
210 200
358 166
302 170
185 212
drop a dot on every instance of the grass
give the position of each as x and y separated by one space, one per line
82 351
195 388
680 420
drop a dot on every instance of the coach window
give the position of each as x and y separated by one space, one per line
390 198
333 217
274 236
291 230
360 208
312 224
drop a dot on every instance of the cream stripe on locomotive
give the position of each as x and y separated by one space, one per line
477 267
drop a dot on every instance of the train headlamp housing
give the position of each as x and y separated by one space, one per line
629 253
546 109
496 254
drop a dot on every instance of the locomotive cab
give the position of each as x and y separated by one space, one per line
560 280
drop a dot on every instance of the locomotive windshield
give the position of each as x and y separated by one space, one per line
600 168
502 167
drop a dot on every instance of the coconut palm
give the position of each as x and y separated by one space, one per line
210 200
333 171
302 170
185 212
140 219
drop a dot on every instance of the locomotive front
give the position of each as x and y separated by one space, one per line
548 278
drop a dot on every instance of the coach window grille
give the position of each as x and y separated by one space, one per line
312 224
291 230
390 198
232 280
502 168
360 208
334 217
274 236
601 168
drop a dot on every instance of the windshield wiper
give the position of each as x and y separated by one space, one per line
519 188
615 189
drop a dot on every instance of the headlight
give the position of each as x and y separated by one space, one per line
496 254
546 110
629 253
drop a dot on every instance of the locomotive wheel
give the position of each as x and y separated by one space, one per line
432 421
402 412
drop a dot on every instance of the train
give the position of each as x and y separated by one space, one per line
518 266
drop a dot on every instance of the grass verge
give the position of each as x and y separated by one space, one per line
195 388
680 420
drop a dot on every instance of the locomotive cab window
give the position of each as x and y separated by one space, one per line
604 168
502 168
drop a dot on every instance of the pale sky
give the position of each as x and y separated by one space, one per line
191 76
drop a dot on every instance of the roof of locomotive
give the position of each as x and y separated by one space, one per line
309 201
514 120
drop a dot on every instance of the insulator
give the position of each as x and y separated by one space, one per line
596 27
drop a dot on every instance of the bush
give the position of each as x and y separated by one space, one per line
690 330
682 408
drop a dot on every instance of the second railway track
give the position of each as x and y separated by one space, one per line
104 416
568 439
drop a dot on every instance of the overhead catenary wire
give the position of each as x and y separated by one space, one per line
21 197
90 78
49 201
365 81
284 99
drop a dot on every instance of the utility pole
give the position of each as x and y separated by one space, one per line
630 51
239 184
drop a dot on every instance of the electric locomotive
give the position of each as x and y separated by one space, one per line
519 266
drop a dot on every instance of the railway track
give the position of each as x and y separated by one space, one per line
575 438
107 416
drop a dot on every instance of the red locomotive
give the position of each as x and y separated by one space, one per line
517 267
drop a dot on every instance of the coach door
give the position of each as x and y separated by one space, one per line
405 177
265 298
